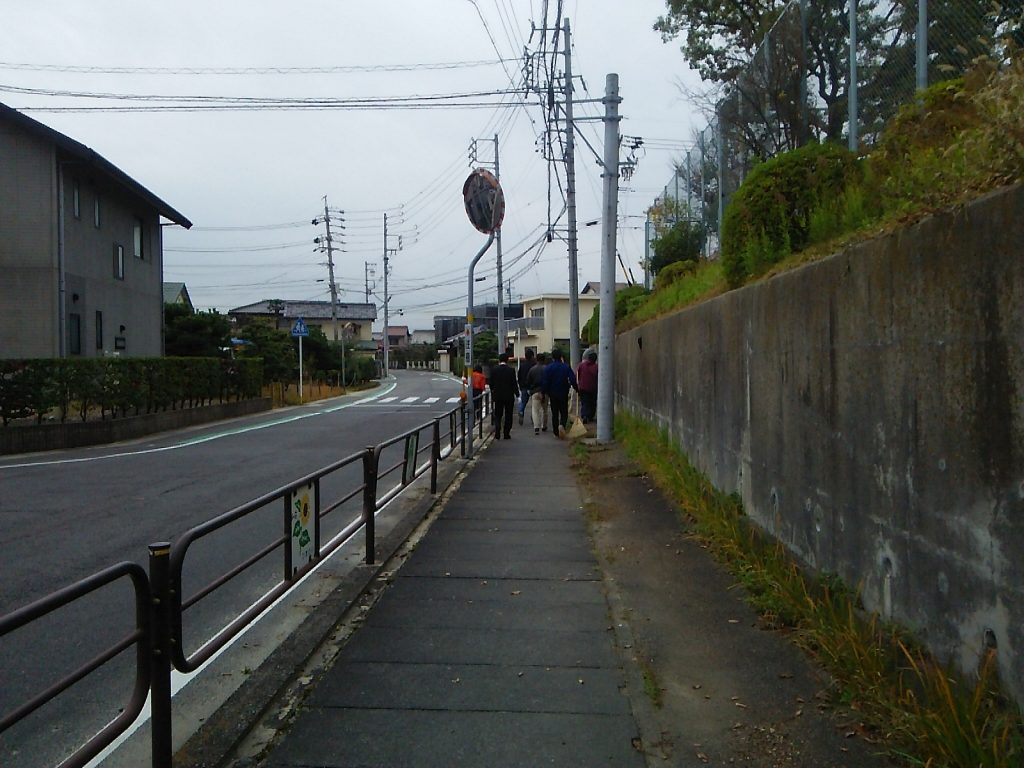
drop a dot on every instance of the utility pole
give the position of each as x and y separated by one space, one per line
606 331
384 336
367 267
387 297
570 201
330 275
502 343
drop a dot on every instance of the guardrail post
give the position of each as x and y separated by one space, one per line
370 459
462 429
160 653
287 529
435 455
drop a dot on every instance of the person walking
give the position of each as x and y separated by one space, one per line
524 391
586 377
504 391
558 378
479 383
538 400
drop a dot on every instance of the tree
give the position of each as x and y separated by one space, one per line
755 50
275 347
684 241
194 334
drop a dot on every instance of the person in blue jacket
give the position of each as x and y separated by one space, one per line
558 378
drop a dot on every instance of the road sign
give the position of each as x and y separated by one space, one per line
485 202
300 329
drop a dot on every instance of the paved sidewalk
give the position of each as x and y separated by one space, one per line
491 647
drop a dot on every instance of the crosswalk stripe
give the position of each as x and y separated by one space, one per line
452 400
432 400
387 399
410 399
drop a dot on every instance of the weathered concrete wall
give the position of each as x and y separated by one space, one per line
869 409
75 434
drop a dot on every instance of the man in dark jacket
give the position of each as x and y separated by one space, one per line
558 378
524 389
504 391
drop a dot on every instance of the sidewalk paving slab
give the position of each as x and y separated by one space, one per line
493 644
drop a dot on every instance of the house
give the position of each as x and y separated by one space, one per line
545 322
177 293
81 249
594 288
398 336
425 336
353 322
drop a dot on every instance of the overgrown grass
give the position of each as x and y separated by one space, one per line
705 281
921 711
957 141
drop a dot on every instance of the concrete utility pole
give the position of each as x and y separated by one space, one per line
606 331
330 274
384 336
921 44
852 85
366 277
497 242
570 202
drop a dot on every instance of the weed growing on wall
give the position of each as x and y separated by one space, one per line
925 714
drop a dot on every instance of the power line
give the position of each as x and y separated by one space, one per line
341 69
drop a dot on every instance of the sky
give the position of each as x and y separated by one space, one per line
251 181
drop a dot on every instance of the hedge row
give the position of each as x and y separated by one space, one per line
114 385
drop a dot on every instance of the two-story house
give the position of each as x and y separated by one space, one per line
81 249
352 322
545 322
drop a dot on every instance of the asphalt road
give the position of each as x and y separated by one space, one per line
68 514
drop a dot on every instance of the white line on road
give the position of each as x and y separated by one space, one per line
431 400
388 399
452 400
410 399
199 440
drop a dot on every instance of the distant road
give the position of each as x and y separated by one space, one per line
67 514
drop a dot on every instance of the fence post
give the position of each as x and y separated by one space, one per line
287 530
462 429
370 459
160 654
435 455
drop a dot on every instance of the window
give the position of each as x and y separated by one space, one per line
74 334
137 240
76 198
537 312
96 211
99 330
118 261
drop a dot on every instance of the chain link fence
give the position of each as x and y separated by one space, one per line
802 84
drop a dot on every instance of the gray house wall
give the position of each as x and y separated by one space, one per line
869 409
32 242
28 245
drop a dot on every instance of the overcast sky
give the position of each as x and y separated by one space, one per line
251 181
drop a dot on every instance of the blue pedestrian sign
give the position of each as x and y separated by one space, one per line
300 329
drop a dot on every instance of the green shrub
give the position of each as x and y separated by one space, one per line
672 272
770 214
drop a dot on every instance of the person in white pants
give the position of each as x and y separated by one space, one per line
538 400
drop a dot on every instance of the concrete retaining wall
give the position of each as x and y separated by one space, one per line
869 409
75 434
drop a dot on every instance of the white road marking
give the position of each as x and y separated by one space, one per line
452 400
410 399
430 400
205 438
387 399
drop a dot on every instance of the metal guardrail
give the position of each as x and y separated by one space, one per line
160 605
140 638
